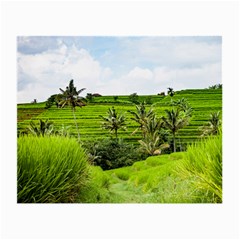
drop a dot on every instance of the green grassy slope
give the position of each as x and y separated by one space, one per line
203 101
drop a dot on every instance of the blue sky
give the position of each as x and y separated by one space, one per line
116 65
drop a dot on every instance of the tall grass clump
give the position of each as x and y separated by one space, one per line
96 191
203 166
50 169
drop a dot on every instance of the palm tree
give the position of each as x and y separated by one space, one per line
151 143
175 119
141 116
170 92
213 125
184 105
44 128
71 98
114 121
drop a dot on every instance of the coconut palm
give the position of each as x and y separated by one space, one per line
175 120
44 128
151 143
141 116
70 97
213 125
114 121
184 105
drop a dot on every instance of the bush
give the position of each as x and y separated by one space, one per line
50 169
112 153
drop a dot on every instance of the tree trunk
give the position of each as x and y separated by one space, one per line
76 124
174 143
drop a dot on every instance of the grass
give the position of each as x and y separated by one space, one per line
50 169
203 165
194 176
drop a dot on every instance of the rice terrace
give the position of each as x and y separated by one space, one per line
91 141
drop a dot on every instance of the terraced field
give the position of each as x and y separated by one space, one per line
203 102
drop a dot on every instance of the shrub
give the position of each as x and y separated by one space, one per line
203 166
112 153
50 169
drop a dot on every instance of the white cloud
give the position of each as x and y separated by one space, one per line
145 81
54 68
144 65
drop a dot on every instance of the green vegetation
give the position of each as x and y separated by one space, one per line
50 169
114 121
202 101
54 167
71 98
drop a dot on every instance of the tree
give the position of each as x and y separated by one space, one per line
71 98
184 105
213 125
90 97
170 92
175 120
152 142
134 98
44 128
141 116
114 121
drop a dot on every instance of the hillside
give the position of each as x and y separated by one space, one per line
203 102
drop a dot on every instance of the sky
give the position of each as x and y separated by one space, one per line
115 65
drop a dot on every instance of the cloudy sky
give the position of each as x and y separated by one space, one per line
116 65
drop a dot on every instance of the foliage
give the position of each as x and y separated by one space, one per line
71 98
174 120
96 191
203 102
112 153
213 125
134 98
203 165
44 128
115 98
152 143
183 105
50 169
170 92
114 121
90 97
149 100
141 116
216 86
53 99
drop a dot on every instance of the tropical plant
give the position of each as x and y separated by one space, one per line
44 128
114 121
202 166
174 120
213 125
71 98
50 169
184 105
112 153
170 92
141 116
134 98
151 143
